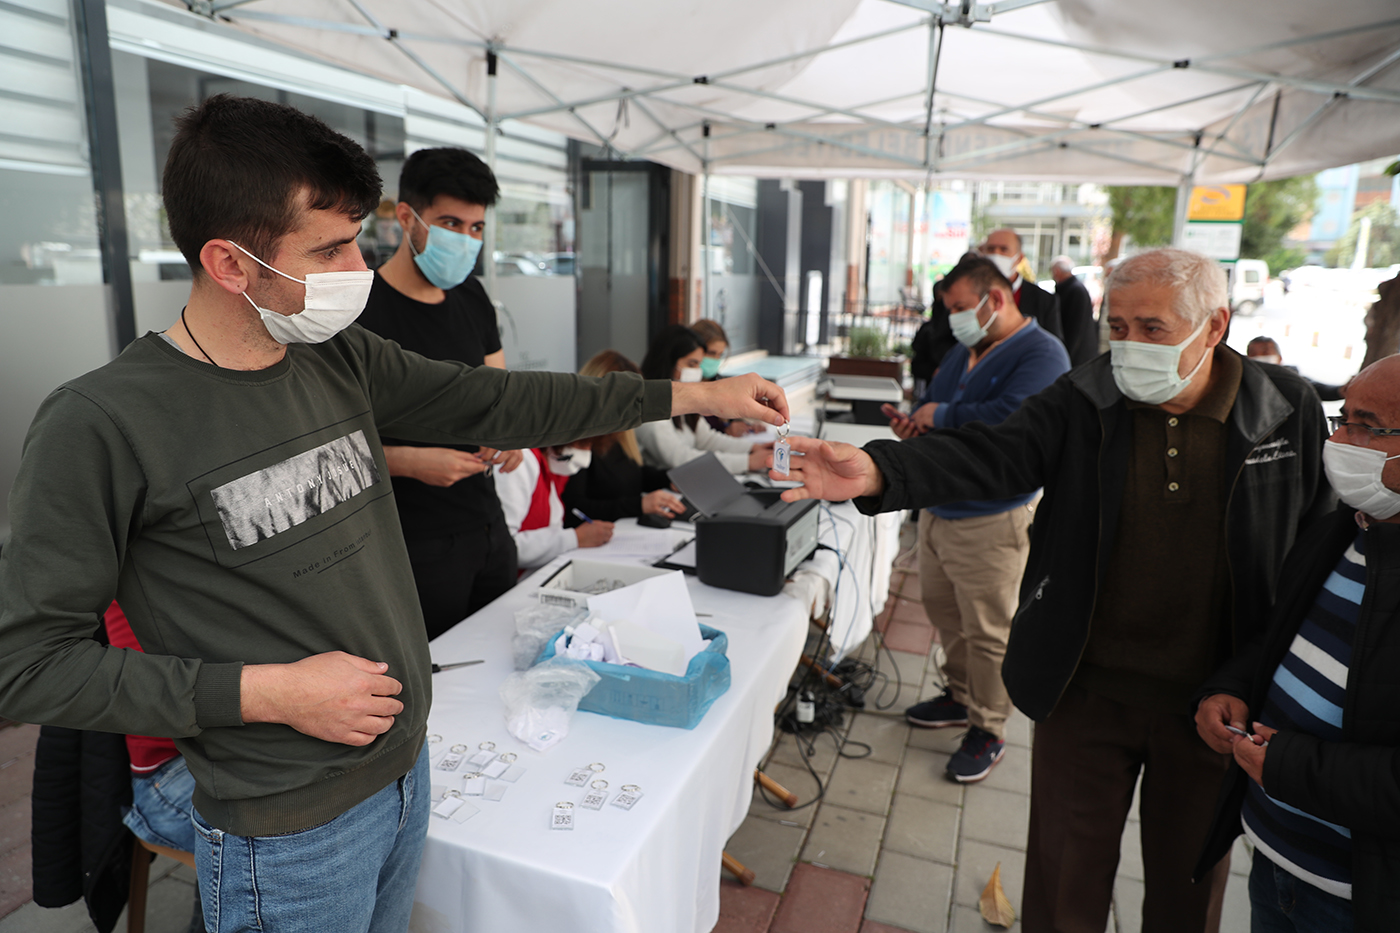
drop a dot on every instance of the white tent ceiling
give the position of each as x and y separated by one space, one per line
1110 91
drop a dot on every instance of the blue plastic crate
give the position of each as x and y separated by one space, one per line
653 697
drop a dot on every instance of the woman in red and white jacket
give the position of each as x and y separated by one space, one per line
530 499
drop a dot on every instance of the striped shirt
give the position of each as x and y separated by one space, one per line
1306 695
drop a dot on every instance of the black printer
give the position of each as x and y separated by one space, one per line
746 540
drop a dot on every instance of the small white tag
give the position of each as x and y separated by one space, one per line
449 805
474 784
450 762
579 777
627 799
465 812
594 799
495 790
495 769
563 816
514 774
481 758
782 453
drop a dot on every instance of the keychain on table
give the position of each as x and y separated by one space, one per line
579 776
453 759
497 768
631 793
596 797
435 748
473 784
485 756
449 804
563 815
782 451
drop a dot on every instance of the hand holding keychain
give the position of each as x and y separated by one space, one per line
782 451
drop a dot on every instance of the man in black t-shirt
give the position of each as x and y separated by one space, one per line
425 298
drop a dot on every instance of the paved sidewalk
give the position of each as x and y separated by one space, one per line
894 845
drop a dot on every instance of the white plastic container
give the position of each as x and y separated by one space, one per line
565 586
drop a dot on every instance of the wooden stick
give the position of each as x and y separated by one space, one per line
737 869
776 789
831 679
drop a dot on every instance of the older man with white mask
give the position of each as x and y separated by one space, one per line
1316 789
1176 475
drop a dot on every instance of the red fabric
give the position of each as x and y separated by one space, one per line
147 752
1016 293
538 516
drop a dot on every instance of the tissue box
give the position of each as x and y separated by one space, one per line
653 697
562 588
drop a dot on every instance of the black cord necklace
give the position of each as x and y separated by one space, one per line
186 324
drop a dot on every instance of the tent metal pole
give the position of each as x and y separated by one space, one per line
1323 108
705 224
653 118
1112 82
935 48
530 80
1183 202
488 246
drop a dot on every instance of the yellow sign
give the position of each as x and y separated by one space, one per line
1216 202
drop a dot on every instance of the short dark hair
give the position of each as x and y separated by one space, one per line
674 342
981 273
1261 341
448 170
238 166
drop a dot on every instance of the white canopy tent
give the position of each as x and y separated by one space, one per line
1059 90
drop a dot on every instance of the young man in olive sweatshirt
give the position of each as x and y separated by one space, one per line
225 480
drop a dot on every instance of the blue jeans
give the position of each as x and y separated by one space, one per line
160 806
355 874
1281 903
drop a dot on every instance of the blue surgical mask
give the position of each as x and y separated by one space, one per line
448 257
709 367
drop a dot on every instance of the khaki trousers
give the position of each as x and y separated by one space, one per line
970 574
1084 764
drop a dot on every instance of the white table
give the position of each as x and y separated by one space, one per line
656 868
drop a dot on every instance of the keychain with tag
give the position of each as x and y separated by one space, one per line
495 790
596 797
486 755
474 784
512 773
449 804
435 748
563 816
496 768
453 759
782 451
579 776
631 793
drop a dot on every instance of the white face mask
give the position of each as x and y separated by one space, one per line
569 460
1150 372
1355 472
964 324
1276 360
1006 264
692 374
333 301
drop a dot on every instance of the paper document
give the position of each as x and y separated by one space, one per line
660 604
685 557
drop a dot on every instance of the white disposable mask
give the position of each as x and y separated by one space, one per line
1276 360
1150 372
1006 264
569 460
1355 473
333 301
692 374
965 327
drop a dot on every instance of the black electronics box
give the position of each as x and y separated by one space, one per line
746 540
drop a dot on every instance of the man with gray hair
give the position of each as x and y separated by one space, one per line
1176 475
1076 312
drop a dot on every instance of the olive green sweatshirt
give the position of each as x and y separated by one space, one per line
248 517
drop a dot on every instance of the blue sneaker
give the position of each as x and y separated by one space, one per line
941 711
979 753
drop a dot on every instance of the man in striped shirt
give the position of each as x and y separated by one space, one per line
1310 711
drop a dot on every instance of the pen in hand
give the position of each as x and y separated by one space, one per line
581 517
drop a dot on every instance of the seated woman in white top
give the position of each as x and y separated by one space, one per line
534 512
675 354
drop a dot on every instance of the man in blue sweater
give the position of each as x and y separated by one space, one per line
972 554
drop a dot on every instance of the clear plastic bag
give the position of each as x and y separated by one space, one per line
534 625
540 702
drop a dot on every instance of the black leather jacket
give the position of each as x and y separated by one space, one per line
1356 782
1074 439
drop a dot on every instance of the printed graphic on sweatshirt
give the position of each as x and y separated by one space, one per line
277 498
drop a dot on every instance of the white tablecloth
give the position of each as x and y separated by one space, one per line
653 869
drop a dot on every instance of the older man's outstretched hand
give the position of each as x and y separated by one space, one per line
829 470
746 396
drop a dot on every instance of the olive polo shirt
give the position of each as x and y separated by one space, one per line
1161 622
